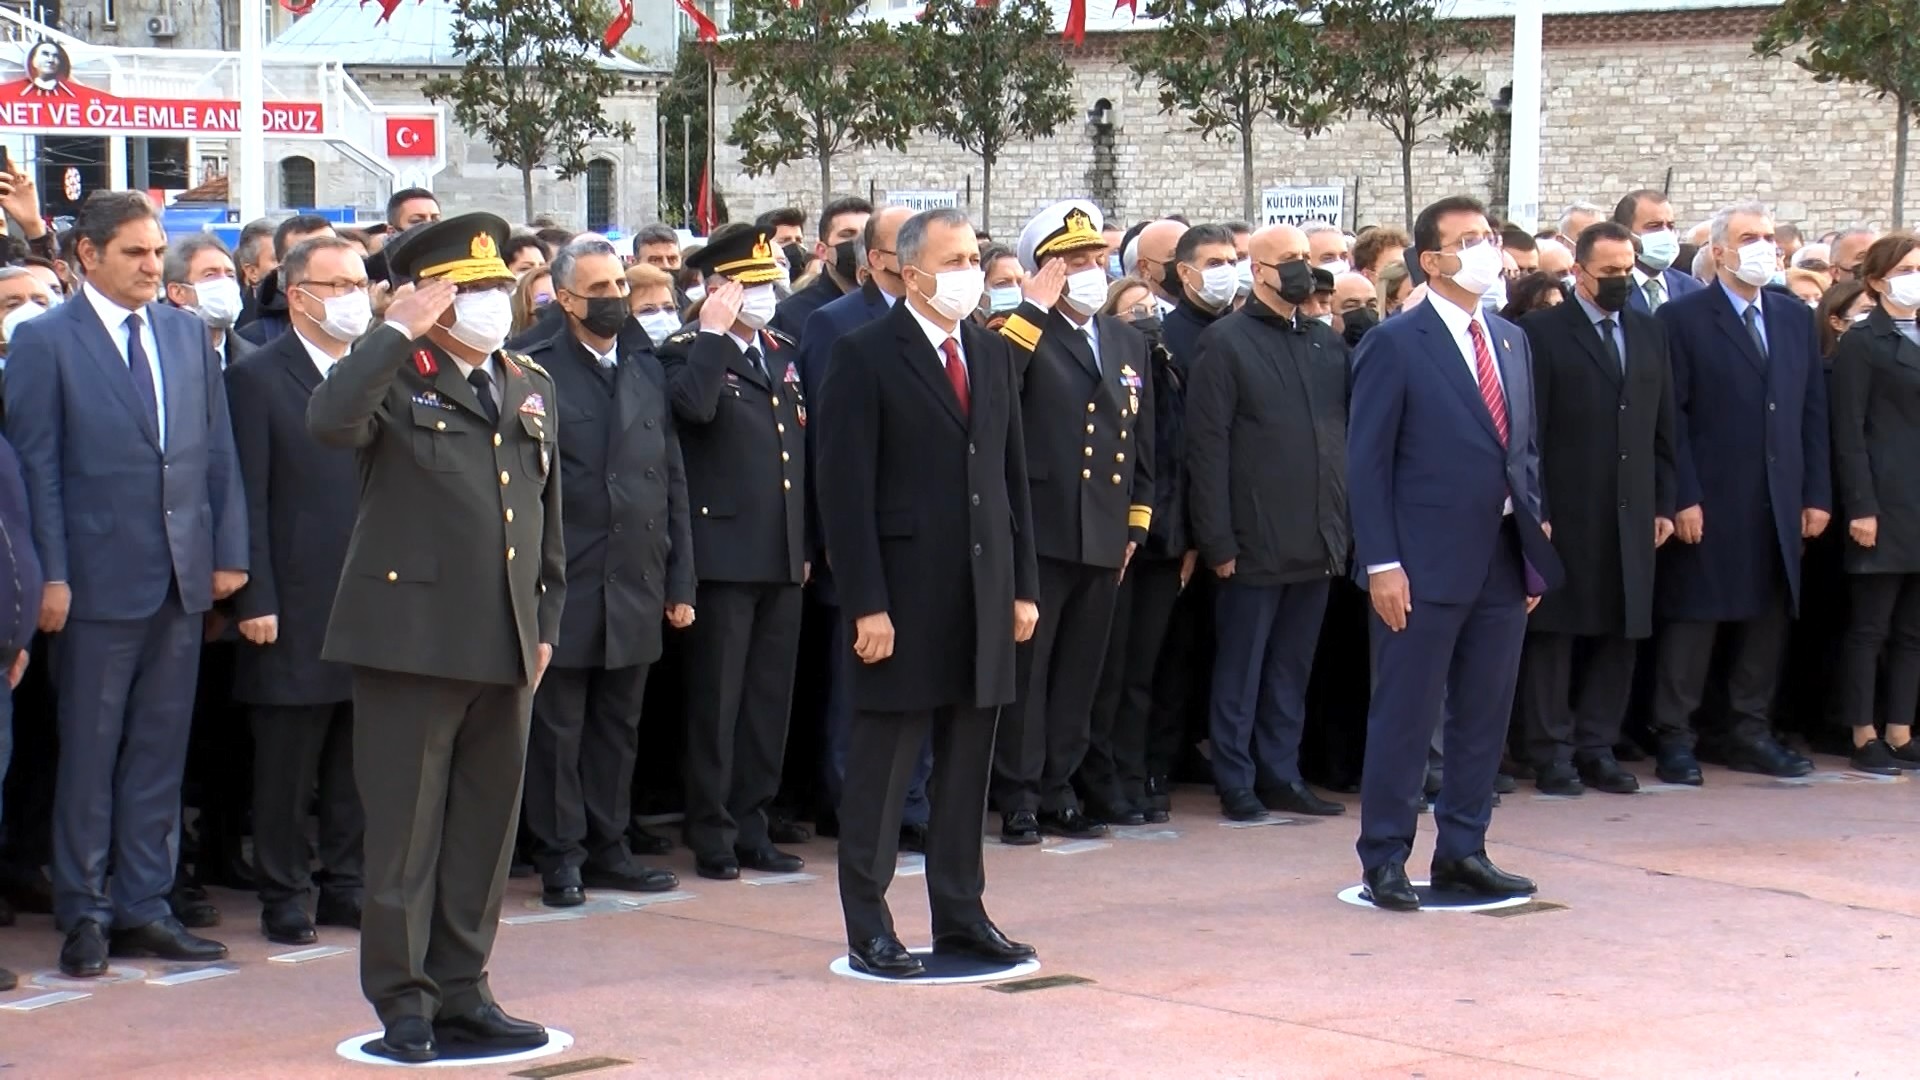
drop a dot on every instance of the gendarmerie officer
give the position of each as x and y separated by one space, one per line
736 394
1085 396
448 610
629 560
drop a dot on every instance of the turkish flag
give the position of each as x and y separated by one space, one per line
410 136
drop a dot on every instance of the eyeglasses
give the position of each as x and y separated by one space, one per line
335 288
1466 242
1820 265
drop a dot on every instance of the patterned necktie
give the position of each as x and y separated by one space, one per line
482 384
957 377
1656 291
1490 391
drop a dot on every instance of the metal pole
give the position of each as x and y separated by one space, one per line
1523 155
686 170
713 87
252 164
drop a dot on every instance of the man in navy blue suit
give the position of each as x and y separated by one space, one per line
1750 435
1649 216
118 409
1450 534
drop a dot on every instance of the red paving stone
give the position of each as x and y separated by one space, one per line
1743 930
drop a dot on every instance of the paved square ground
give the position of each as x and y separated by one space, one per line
1750 929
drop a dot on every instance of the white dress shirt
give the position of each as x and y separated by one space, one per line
1091 331
318 355
937 335
115 317
488 366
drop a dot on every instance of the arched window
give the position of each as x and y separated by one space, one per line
599 195
296 183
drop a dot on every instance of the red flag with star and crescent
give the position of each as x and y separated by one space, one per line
704 29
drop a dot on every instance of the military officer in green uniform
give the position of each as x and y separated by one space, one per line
447 610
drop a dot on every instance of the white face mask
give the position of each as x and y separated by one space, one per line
1324 319
1480 267
481 319
1243 276
217 300
1659 249
1086 290
1218 285
26 312
696 293
1757 262
757 304
1337 267
956 293
1859 316
348 315
660 325
1904 289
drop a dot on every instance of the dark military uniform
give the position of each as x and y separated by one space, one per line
454 578
742 421
1089 440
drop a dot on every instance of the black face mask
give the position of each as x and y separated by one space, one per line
1296 280
1356 323
796 260
1610 293
1148 325
846 259
606 315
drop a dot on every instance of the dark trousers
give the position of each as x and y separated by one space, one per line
439 764
303 755
833 764
740 657
1334 744
1115 770
1684 655
881 751
219 773
1182 684
1057 672
1456 659
580 754
1573 695
126 711
1263 656
1885 614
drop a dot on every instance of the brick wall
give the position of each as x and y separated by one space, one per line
1624 98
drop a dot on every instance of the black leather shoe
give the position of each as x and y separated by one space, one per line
629 878
984 940
782 829
409 1039
1159 794
191 906
8 980
1477 876
642 842
717 867
1126 816
166 939
1020 827
338 909
1905 756
84 954
886 957
1241 804
1387 887
562 890
491 1027
1296 797
1504 784
769 860
1678 767
1153 815
285 924
1603 773
1071 824
913 838
1559 778
1768 758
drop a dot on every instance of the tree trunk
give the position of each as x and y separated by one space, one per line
826 178
1249 199
1406 179
1900 162
526 190
986 192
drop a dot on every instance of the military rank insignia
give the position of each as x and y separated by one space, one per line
431 399
425 364
535 405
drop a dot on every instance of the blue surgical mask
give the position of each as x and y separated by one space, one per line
1113 267
1779 278
1003 298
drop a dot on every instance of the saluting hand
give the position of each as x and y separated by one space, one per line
1044 288
420 310
1026 617
721 309
873 637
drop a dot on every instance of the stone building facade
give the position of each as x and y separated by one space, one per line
1660 98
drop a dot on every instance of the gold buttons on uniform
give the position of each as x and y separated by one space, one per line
1090 406
1123 434
496 440
1116 478
776 401
1086 474
509 554
504 478
393 575
1089 451
703 511
1089 429
784 456
781 428
1119 457
439 425
786 485
509 515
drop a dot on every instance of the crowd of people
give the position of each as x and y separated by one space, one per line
860 523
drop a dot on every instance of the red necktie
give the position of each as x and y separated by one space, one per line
1490 391
957 376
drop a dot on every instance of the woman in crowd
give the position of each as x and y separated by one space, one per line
1808 285
534 292
1531 292
1840 307
1004 275
1390 292
1129 299
1876 452
526 251
650 295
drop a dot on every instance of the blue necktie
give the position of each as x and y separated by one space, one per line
142 371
